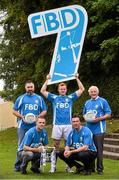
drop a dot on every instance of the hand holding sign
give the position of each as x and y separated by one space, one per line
48 77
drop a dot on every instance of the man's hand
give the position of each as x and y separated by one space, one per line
48 77
40 149
76 75
23 118
67 153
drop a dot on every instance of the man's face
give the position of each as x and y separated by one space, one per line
62 90
29 87
93 93
76 123
40 123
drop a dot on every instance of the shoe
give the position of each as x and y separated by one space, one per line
52 170
100 172
69 170
79 170
23 170
17 169
35 170
92 170
87 173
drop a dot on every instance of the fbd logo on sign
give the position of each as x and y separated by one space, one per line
70 24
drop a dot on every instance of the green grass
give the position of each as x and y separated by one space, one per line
8 146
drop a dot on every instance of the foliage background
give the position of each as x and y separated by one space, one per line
23 58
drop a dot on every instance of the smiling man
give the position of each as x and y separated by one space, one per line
100 110
62 110
32 145
79 147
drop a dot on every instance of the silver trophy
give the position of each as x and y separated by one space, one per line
48 155
89 116
30 118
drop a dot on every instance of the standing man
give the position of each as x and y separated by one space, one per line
79 147
27 103
62 110
100 110
32 145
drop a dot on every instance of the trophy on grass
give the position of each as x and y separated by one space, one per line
48 155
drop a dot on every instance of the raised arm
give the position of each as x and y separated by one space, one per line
44 87
80 85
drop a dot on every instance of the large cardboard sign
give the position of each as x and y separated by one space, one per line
70 24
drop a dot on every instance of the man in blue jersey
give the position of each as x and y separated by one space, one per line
62 109
79 147
29 102
100 109
32 145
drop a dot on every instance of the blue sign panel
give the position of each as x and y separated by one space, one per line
70 24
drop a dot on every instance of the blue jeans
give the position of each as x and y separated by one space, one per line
20 134
27 156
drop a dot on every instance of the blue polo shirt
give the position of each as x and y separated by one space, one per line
29 104
62 108
33 137
100 107
80 138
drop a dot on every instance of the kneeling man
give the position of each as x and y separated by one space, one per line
32 146
79 147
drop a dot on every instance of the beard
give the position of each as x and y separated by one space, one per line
30 92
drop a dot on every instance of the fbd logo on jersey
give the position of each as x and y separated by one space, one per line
96 106
70 24
36 101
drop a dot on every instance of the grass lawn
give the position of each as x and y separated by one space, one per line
8 146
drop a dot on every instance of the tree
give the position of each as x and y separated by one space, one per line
24 58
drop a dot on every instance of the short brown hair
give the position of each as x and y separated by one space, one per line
62 84
28 81
75 116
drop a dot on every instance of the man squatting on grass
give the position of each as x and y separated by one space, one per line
79 147
29 149
62 110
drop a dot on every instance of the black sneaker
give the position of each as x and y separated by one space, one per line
100 172
87 173
23 170
79 170
16 169
35 170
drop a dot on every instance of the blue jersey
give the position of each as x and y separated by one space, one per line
77 139
33 138
62 108
29 104
100 107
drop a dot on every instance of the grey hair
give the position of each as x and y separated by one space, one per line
93 87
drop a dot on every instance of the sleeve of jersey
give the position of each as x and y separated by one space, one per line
43 105
46 138
51 97
106 107
28 138
69 140
87 137
73 96
16 104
